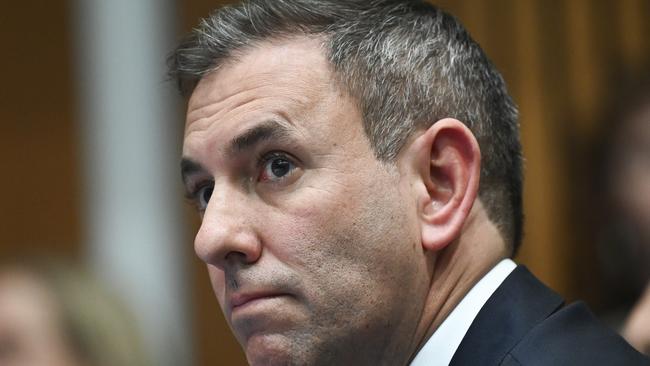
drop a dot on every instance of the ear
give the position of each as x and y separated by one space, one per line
446 161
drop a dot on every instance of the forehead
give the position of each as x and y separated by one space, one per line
289 81
292 68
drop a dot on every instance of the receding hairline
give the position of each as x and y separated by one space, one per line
236 54
316 42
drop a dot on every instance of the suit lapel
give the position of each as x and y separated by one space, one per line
516 306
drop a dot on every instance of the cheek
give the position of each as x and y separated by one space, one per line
342 219
307 228
352 232
300 226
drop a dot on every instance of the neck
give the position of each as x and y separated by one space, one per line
456 269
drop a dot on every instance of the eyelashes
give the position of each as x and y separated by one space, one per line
274 167
199 195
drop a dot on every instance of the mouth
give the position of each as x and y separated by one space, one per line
240 301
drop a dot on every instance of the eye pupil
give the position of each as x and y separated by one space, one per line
280 167
207 193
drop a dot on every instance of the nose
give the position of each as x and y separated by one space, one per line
227 234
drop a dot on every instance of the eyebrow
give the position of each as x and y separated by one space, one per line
189 167
268 130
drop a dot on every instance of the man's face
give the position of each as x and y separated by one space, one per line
312 245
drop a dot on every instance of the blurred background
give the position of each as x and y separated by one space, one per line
90 134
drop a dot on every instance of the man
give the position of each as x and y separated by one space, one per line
358 172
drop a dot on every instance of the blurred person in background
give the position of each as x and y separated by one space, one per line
622 161
53 313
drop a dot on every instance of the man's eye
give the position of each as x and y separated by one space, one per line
276 167
203 197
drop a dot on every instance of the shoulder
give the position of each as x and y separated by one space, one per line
573 336
525 323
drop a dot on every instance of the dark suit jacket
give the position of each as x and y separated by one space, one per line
525 323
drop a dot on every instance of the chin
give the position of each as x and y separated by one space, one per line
270 349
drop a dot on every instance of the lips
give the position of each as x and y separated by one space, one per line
239 300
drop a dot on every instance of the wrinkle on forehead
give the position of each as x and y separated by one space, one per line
292 82
210 108
291 63
295 72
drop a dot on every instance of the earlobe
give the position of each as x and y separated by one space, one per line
448 162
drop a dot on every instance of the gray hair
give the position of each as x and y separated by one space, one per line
407 64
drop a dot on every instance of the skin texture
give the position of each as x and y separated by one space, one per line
333 262
30 328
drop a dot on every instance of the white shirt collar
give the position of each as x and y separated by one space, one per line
442 345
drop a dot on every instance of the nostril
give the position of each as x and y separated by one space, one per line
236 257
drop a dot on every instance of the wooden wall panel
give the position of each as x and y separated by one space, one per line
39 189
544 241
634 27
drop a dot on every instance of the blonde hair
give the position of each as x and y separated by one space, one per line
98 328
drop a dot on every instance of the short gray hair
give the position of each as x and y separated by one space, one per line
407 63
